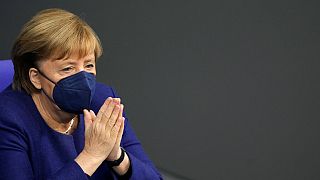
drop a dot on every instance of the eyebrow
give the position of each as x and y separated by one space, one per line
69 62
89 60
74 61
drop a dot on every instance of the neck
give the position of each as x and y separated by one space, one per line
51 113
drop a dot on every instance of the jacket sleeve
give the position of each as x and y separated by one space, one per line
14 161
70 171
141 166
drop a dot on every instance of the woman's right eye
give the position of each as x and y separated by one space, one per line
67 69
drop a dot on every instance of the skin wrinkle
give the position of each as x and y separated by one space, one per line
61 126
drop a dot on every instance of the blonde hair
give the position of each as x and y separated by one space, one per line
51 33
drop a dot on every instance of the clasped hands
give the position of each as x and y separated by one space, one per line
103 133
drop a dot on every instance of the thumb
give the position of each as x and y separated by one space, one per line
87 119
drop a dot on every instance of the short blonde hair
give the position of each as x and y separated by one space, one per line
51 33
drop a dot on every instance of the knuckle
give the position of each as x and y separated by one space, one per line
110 123
113 132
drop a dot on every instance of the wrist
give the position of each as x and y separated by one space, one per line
116 157
88 163
117 161
124 166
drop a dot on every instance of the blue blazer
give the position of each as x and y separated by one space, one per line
30 149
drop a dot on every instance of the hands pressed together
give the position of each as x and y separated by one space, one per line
103 133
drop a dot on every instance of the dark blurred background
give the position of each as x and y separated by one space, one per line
215 89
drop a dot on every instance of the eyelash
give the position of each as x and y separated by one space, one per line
67 69
90 66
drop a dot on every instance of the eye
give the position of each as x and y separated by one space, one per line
67 69
89 65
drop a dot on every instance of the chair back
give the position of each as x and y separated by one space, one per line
6 73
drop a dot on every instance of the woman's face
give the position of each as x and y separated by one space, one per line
56 70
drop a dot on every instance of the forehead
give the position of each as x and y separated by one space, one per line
73 58
76 57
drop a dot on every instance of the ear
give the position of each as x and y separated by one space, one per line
35 77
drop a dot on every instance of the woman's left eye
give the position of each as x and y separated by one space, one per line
89 65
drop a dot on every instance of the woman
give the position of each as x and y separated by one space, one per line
56 122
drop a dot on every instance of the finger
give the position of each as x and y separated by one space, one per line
109 110
114 116
93 115
115 129
119 137
87 119
103 108
117 100
121 118
121 111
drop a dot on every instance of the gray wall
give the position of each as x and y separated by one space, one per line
214 89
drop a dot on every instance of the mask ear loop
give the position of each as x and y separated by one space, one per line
51 99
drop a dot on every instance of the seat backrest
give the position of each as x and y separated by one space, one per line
6 73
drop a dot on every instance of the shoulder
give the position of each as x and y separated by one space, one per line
12 100
103 90
15 108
